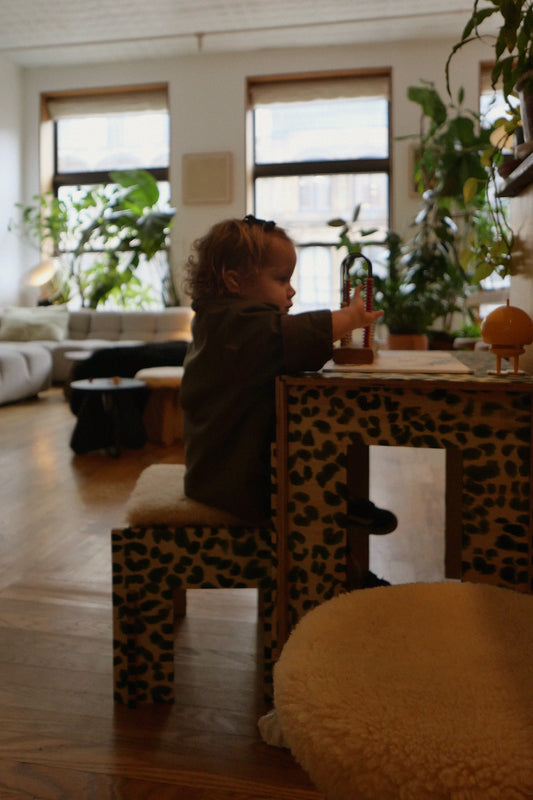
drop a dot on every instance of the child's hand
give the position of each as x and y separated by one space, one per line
353 316
362 318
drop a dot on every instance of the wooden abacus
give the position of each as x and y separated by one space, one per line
349 353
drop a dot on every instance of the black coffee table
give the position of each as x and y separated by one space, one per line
110 415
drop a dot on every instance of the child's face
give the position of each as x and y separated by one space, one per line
273 282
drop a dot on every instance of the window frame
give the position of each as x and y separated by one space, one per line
322 167
356 166
51 178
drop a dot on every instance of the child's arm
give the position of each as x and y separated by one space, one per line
352 316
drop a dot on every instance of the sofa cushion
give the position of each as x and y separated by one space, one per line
25 370
33 324
149 326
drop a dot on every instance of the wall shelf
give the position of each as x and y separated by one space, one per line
519 178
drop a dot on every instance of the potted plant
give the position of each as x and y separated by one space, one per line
461 234
409 307
513 50
457 236
101 239
468 335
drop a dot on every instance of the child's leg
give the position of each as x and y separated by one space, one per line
361 511
364 519
358 576
377 521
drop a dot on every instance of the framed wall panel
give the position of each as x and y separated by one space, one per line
207 178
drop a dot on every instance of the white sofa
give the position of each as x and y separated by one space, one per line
33 342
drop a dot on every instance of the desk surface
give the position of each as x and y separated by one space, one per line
406 361
480 364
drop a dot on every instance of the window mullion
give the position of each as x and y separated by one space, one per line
321 167
93 178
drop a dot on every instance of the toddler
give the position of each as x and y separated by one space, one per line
239 279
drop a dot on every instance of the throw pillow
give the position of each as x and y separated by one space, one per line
33 324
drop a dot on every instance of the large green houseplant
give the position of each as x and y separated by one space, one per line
508 26
101 239
422 283
461 233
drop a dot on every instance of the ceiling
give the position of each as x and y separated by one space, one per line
34 33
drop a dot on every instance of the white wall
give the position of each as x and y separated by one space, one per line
10 180
207 105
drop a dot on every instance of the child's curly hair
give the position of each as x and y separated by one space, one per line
234 244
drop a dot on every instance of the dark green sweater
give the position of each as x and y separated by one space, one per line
228 396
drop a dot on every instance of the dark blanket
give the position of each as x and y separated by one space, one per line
127 360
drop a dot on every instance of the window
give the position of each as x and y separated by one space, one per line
320 147
491 102
492 106
95 133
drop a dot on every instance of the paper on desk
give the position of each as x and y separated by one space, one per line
433 361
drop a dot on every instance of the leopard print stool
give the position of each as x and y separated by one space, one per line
172 543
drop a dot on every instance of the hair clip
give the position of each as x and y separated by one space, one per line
265 225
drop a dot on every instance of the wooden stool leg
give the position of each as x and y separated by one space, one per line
163 418
167 425
152 416
178 414
171 416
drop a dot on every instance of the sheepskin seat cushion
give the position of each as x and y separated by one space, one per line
413 691
158 499
161 377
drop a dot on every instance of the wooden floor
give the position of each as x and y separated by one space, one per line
61 736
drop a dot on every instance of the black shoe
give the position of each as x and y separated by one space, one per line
364 513
370 581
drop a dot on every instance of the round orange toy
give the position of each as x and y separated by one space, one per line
507 329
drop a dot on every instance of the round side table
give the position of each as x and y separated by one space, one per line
110 415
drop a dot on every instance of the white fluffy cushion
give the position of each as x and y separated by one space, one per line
414 691
158 499
33 324
161 377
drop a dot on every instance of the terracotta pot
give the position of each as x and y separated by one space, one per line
408 341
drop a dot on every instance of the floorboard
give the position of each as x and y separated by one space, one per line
61 735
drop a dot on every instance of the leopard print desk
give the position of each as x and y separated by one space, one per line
485 424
